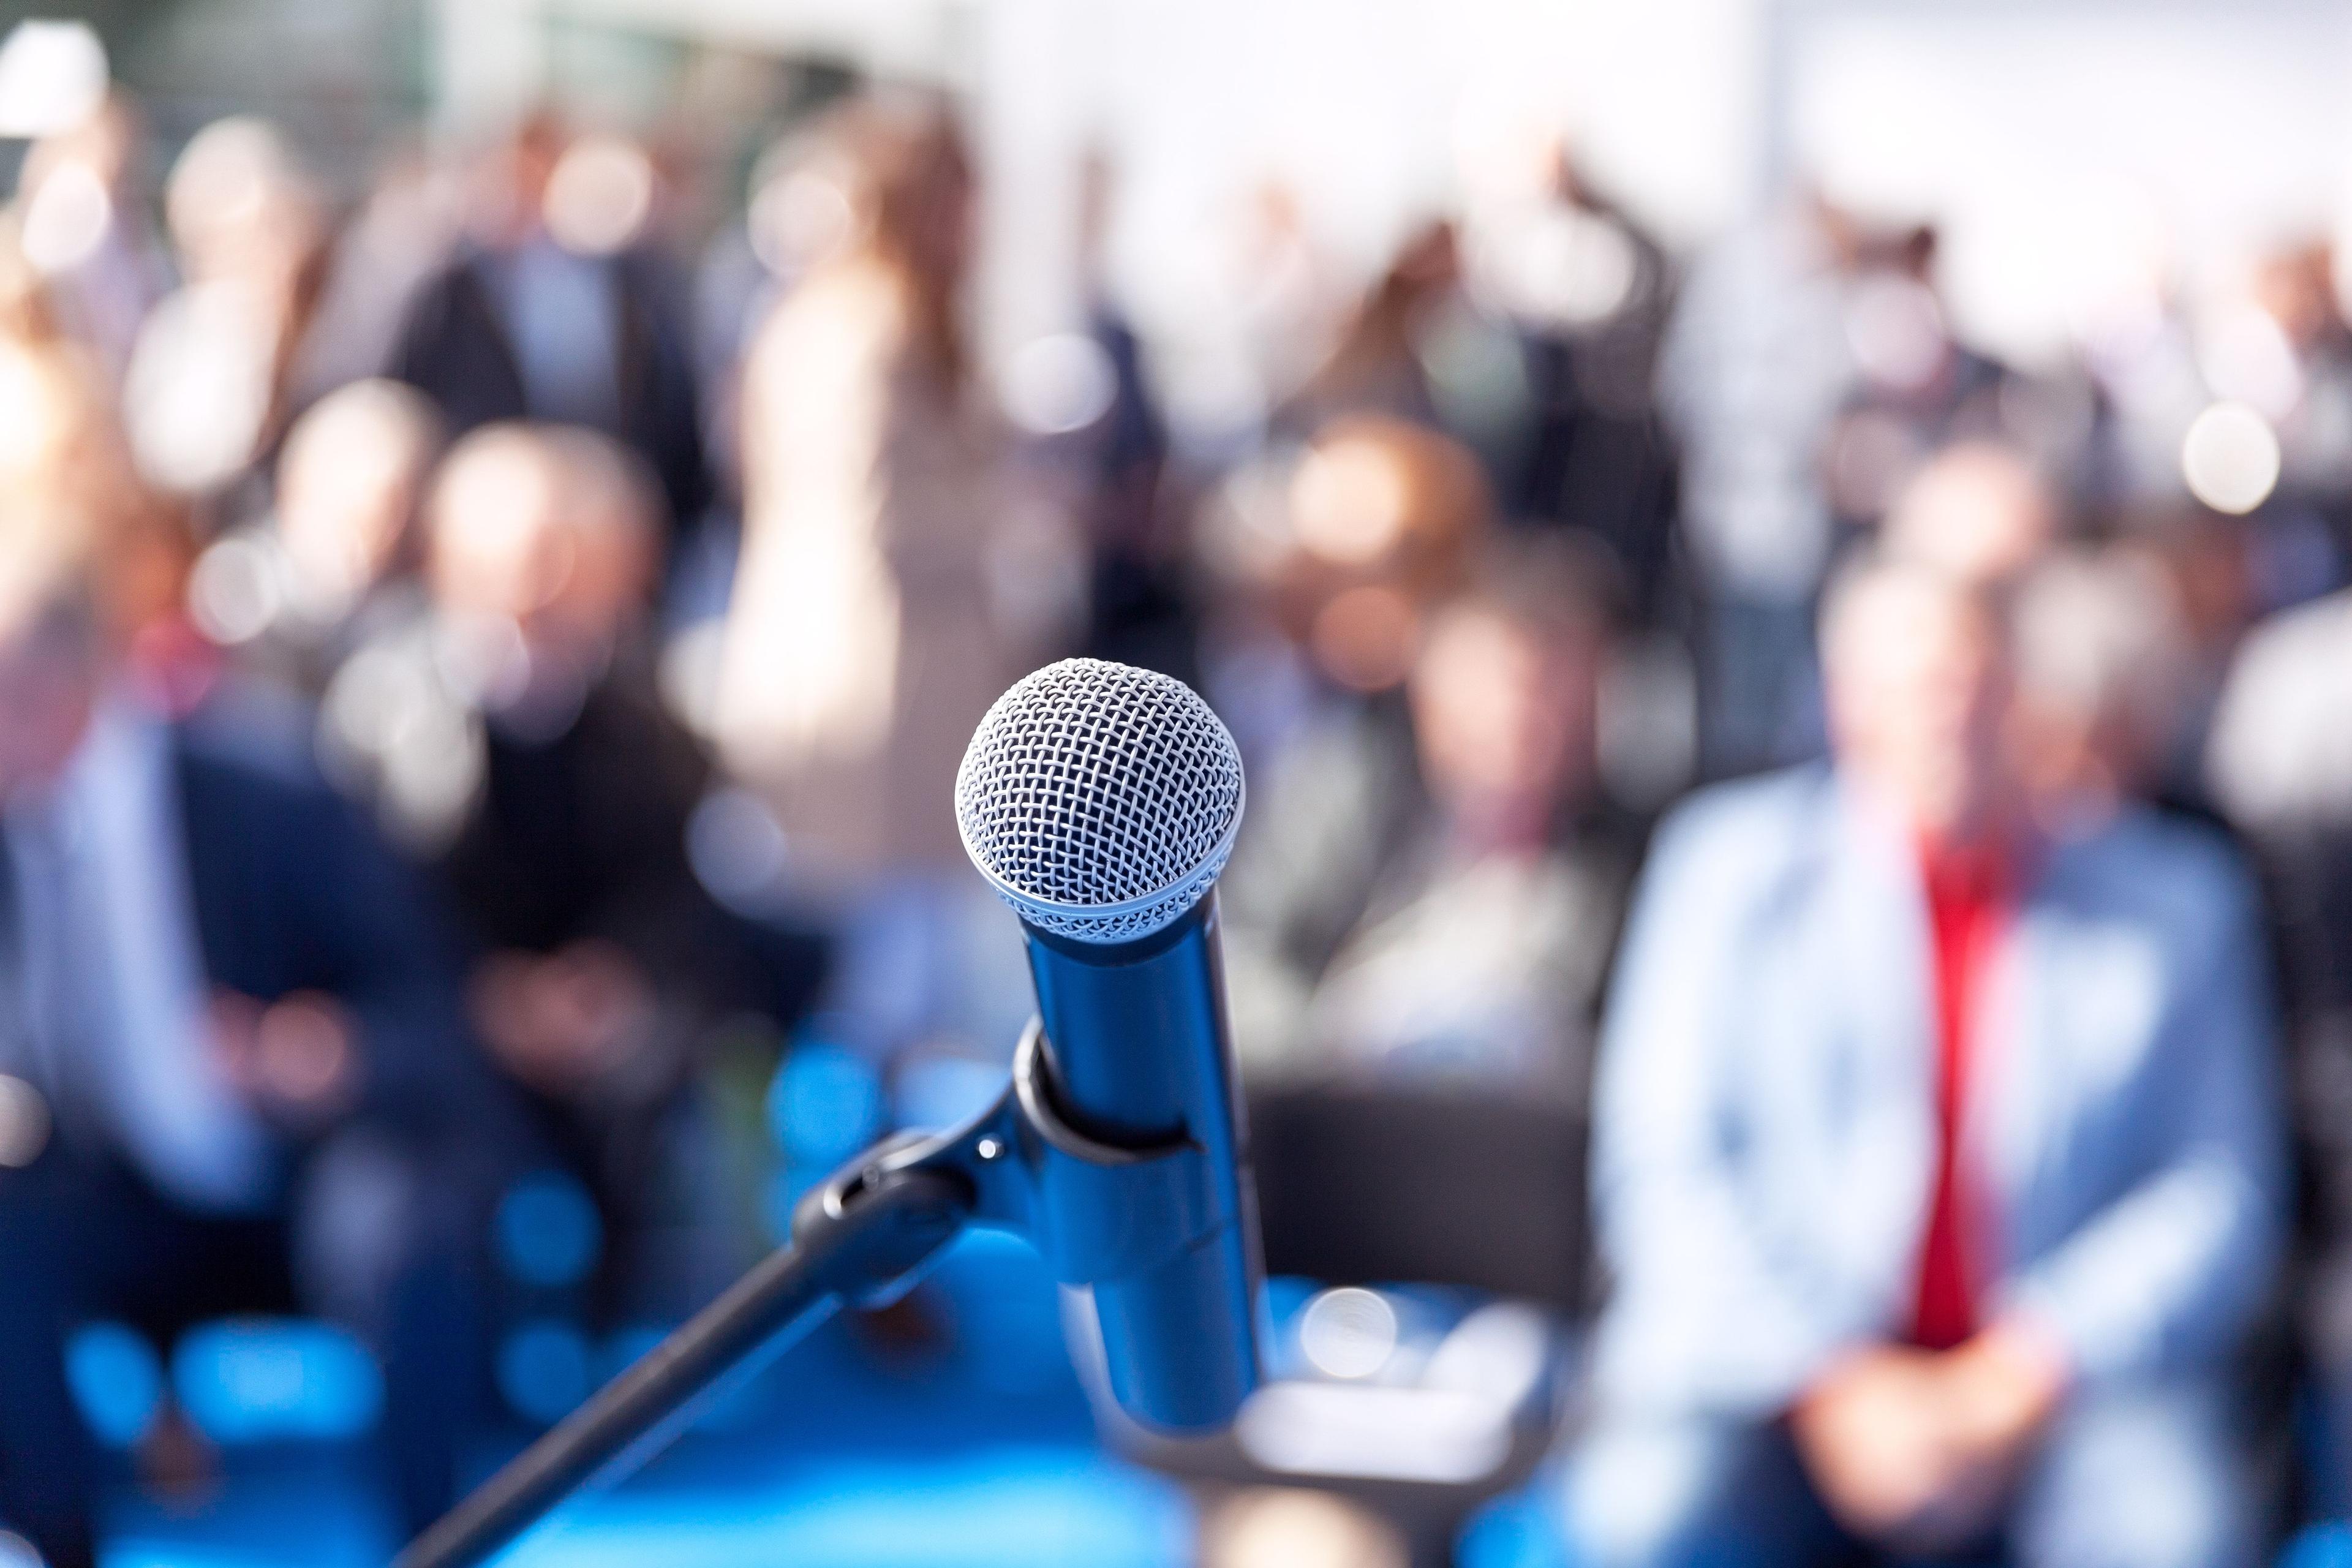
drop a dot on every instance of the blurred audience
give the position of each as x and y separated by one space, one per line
1916 388
1939 1160
294 594
65 455
1331 583
83 204
1141 608
233 1072
1939 1164
1378 366
892 584
2103 659
395 241
1492 906
512 732
205 395
1753 371
2280 766
2281 348
556 307
1584 293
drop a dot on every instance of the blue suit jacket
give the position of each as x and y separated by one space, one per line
293 891
1765 1117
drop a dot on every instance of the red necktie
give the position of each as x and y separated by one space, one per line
1967 908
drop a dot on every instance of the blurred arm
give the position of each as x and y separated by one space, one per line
1702 1318
2169 1274
383 954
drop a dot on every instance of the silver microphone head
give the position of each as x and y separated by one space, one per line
1099 800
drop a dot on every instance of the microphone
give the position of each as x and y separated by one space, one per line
1101 801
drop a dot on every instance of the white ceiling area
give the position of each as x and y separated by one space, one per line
2190 131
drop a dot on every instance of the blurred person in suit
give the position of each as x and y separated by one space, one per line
206 396
235 1074
2279 763
1583 291
1141 604
1916 390
1753 370
82 196
1478 955
334 561
1331 568
2284 348
2107 684
513 735
1377 365
555 307
65 453
1939 1167
893 581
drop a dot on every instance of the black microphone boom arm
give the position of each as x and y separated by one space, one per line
1097 1212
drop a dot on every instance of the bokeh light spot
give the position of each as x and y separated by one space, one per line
116 1381
548 1233
544 1369
2230 459
824 1105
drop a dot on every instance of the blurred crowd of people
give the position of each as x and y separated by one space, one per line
483 661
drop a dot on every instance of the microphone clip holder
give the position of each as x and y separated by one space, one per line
1097 1212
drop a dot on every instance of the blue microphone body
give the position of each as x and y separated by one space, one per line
1102 802
1138 1055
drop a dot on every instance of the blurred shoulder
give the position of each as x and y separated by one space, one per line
2163 865
457 284
1751 827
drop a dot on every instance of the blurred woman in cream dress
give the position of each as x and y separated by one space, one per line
892 581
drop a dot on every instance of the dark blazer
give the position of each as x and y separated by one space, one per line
455 349
294 891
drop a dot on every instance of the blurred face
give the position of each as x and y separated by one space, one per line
239 208
1979 516
599 194
1503 716
1350 501
1919 691
614 567
1380 516
498 548
509 182
531 156
344 501
519 537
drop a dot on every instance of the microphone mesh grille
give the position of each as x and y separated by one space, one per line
1099 799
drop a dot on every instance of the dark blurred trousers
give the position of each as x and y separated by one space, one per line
377 1235
2139 1477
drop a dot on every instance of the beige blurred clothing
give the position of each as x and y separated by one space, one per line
888 590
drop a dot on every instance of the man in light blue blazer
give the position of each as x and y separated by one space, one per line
1929 1233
